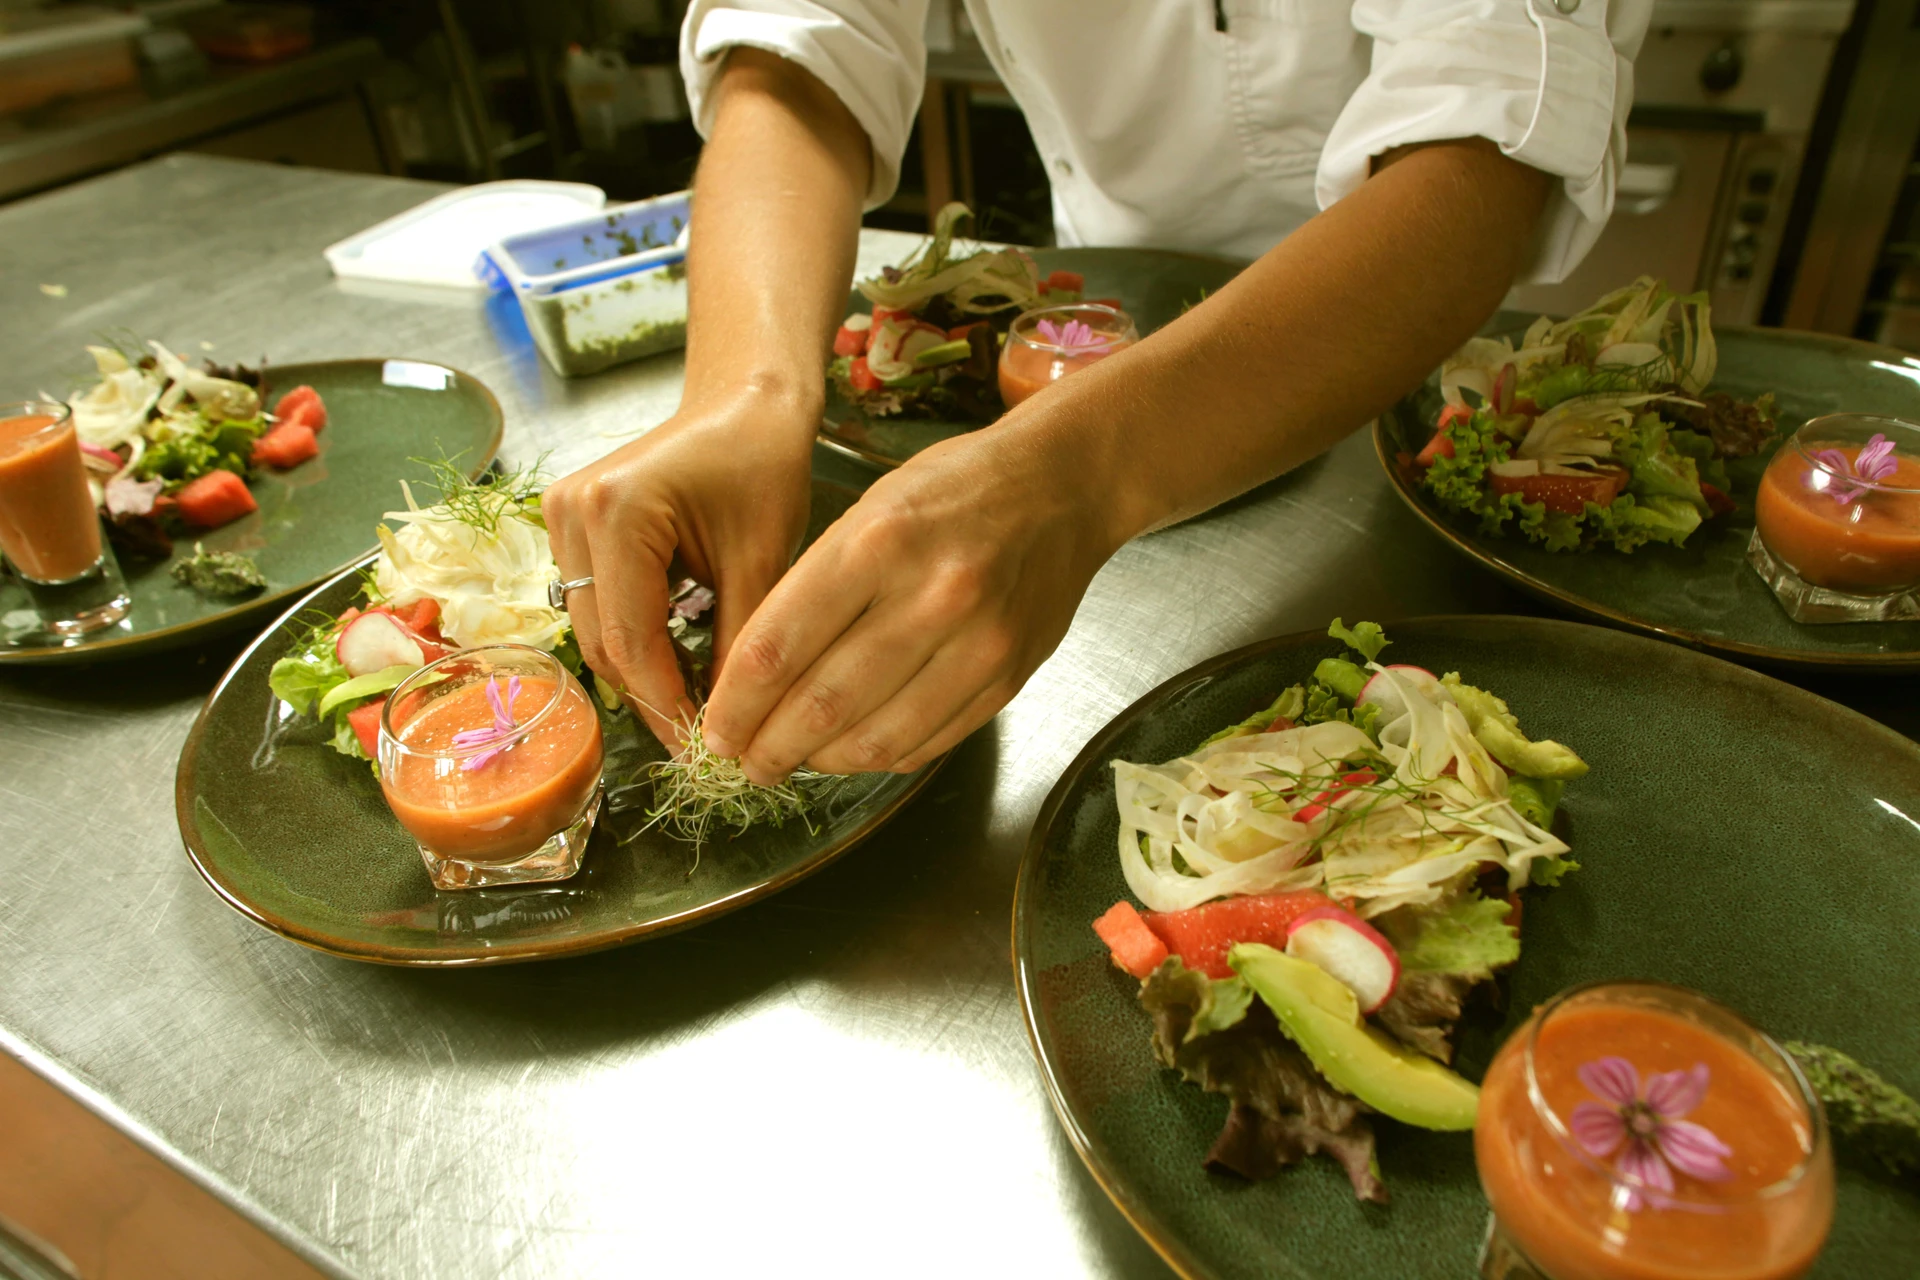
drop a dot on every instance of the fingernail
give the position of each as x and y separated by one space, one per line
719 746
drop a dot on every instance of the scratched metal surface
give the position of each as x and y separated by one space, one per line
836 1079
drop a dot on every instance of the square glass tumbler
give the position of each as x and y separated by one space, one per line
1837 521
49 526
490 758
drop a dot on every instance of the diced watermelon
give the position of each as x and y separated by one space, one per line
1106 302
364 720
287 445
862 377
426 618
961 331
1136 948
1065 282
302 405
1201 936
215 499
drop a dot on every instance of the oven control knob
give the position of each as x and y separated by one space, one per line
1722 69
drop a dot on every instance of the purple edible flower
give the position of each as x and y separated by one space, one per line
1850 479
1646 1128
505 731
1075 337
691 602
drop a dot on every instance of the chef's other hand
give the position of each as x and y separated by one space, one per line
723 486
915 617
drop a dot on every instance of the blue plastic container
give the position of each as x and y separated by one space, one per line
601 290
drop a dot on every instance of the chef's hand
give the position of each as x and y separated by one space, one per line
722 486
916 616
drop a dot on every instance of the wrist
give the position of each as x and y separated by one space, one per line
775 399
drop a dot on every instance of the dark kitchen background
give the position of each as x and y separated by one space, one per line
1773 157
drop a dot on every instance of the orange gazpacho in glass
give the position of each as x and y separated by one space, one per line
490 758
1636 1131
48 525
1839 504
1046 345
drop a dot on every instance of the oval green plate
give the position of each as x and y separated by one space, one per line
315 520
1153 285
1702 594
296 837
1736 835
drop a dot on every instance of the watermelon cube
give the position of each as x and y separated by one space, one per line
1135 947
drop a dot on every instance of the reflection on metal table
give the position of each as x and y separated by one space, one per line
836 1078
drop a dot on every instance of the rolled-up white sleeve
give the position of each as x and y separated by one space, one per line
1549 81
873 55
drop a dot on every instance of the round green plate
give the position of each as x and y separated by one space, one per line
383 417
1736 835
1702 594
297 837
1154 286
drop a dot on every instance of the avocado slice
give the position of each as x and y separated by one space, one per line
1319 1012
1499 732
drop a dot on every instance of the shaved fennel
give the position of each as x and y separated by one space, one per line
1253 814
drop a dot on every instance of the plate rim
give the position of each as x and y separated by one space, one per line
213 624
1141 1216
1469 546
824 432
469 957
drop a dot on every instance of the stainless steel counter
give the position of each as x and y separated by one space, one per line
834 1080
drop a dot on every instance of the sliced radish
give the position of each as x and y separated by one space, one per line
1384 693
375 641
922 340
1324 801
1350 949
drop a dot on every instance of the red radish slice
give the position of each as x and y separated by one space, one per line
1322 802
375 641
1350 949
1136 948
102 459
1381 692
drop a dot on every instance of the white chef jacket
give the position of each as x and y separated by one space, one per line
1222 125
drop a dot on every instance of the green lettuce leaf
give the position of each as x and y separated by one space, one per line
1546 872
1657 469
305 676
1469 936
1364 638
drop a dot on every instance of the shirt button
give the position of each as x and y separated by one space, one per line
1064 167
1567 7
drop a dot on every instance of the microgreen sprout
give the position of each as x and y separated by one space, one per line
697 793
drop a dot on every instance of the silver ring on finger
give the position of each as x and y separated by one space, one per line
557 590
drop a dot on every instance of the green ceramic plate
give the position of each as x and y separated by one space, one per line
1702 594
1153 285
314 520
297 837
1736 835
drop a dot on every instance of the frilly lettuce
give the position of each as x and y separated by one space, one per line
1468 935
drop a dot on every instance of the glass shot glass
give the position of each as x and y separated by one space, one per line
1837 521
1046 345
49 526
490 758
1635 1131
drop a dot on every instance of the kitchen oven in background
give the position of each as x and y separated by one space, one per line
1725 101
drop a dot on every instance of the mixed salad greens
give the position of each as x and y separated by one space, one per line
1596 430
473 569
931 343
168 446
1351 855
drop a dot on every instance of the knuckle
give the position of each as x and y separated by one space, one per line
622 642
863 753
956 589
758 656
821 707
995 647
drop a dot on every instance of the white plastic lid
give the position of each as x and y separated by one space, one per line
437 242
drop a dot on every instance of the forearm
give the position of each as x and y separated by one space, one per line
777 215
1317 337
